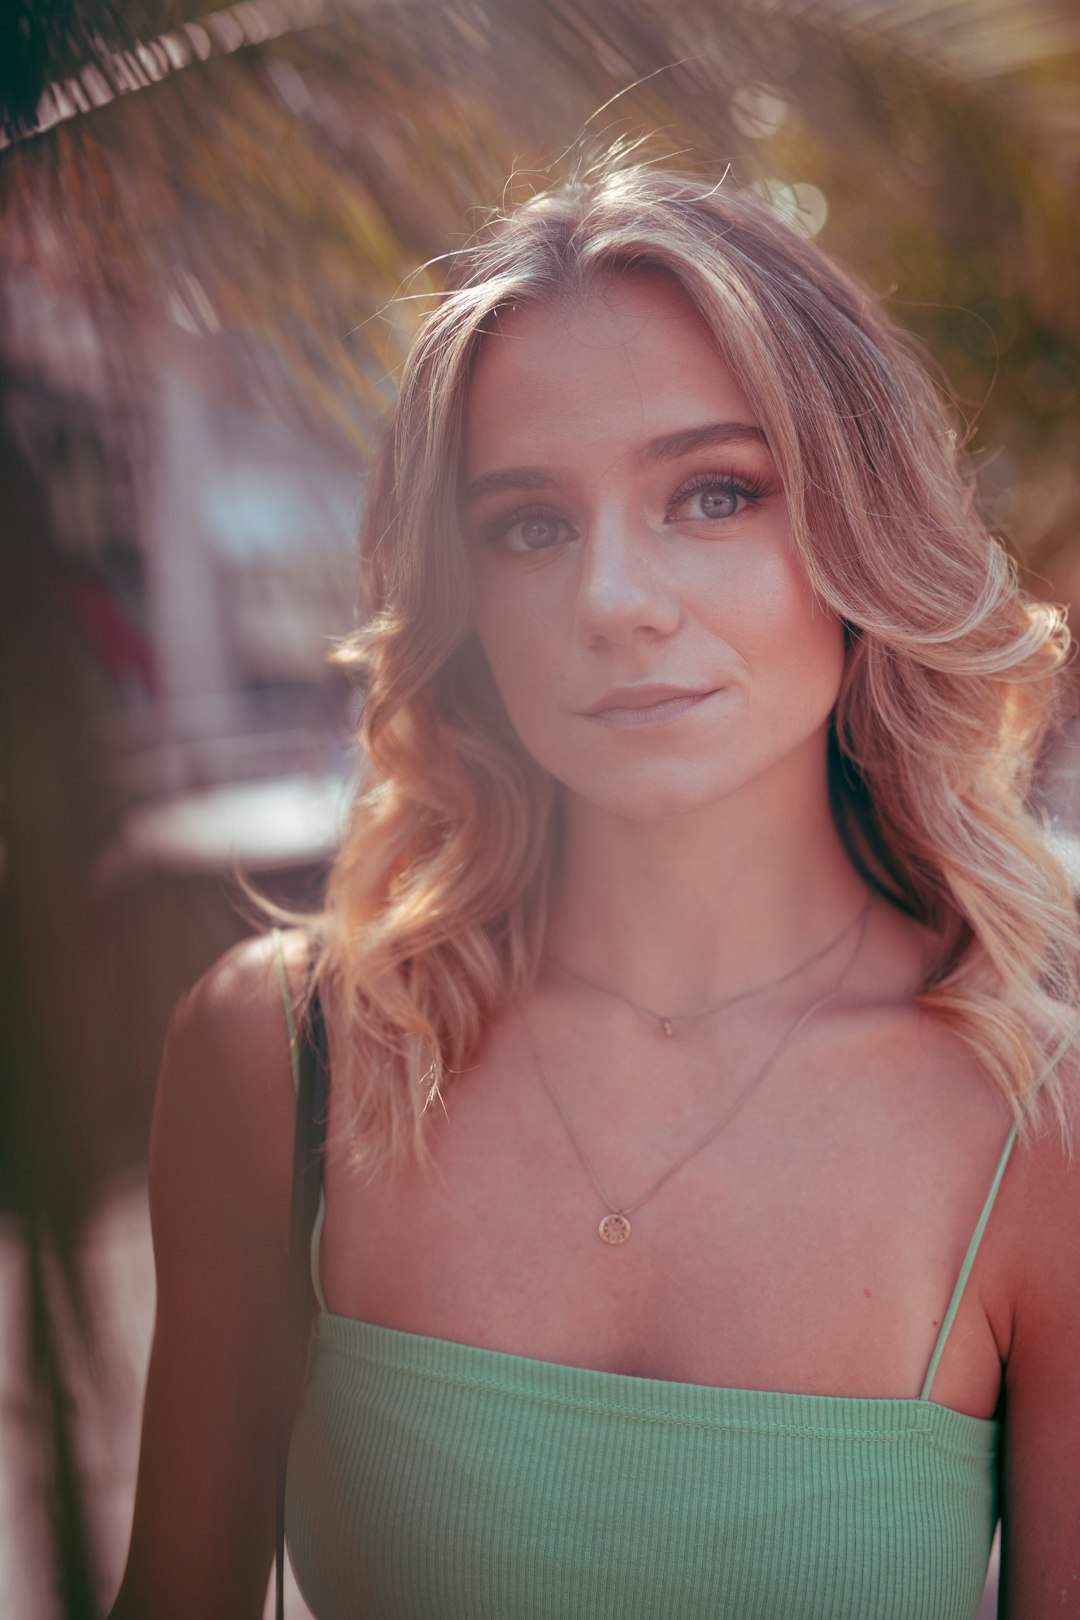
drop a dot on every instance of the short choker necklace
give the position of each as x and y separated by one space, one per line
614 1226
667 1021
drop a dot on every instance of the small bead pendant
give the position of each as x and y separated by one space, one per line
614 1228
665 1025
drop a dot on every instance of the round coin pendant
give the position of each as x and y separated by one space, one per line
614 1228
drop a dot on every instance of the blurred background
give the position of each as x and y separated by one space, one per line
217 230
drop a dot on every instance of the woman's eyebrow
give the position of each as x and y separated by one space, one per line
665 448
510 478
682 443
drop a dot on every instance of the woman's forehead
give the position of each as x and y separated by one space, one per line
622 362
614 305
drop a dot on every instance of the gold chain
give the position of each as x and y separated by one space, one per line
615 1225
667 1021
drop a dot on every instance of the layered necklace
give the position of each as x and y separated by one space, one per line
667 1022
615 1226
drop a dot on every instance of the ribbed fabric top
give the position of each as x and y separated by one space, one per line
431 1480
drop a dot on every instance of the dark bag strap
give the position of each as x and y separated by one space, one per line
311 1093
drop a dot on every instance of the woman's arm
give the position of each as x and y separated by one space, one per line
219 1176
1040 1575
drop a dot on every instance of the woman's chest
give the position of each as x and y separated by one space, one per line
818 1258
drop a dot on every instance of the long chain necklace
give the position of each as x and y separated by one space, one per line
615 1225
667 1021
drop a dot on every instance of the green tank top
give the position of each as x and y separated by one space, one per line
432 1480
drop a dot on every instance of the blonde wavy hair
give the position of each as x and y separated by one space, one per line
434 910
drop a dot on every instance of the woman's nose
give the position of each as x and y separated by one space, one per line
624 588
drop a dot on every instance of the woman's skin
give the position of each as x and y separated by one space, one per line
813 1245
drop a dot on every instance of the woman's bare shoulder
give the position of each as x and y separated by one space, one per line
237 1005
1045 1191
225 1101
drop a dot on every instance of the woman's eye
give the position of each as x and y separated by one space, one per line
717 498
528 531
718 501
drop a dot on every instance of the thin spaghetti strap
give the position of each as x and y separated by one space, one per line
294 1060
316 1236
290 1016
969 1261
310 1068
976 1237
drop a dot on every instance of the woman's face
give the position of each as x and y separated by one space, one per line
638 597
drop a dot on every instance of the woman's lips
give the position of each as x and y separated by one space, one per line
650 714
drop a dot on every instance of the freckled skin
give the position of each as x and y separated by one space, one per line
629 589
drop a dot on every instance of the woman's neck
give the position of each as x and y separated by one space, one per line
683 911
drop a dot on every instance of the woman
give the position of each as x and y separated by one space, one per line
691 967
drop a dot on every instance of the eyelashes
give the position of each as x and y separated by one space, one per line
746 489
750 489
497 530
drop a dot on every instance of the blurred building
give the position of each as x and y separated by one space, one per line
208 563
